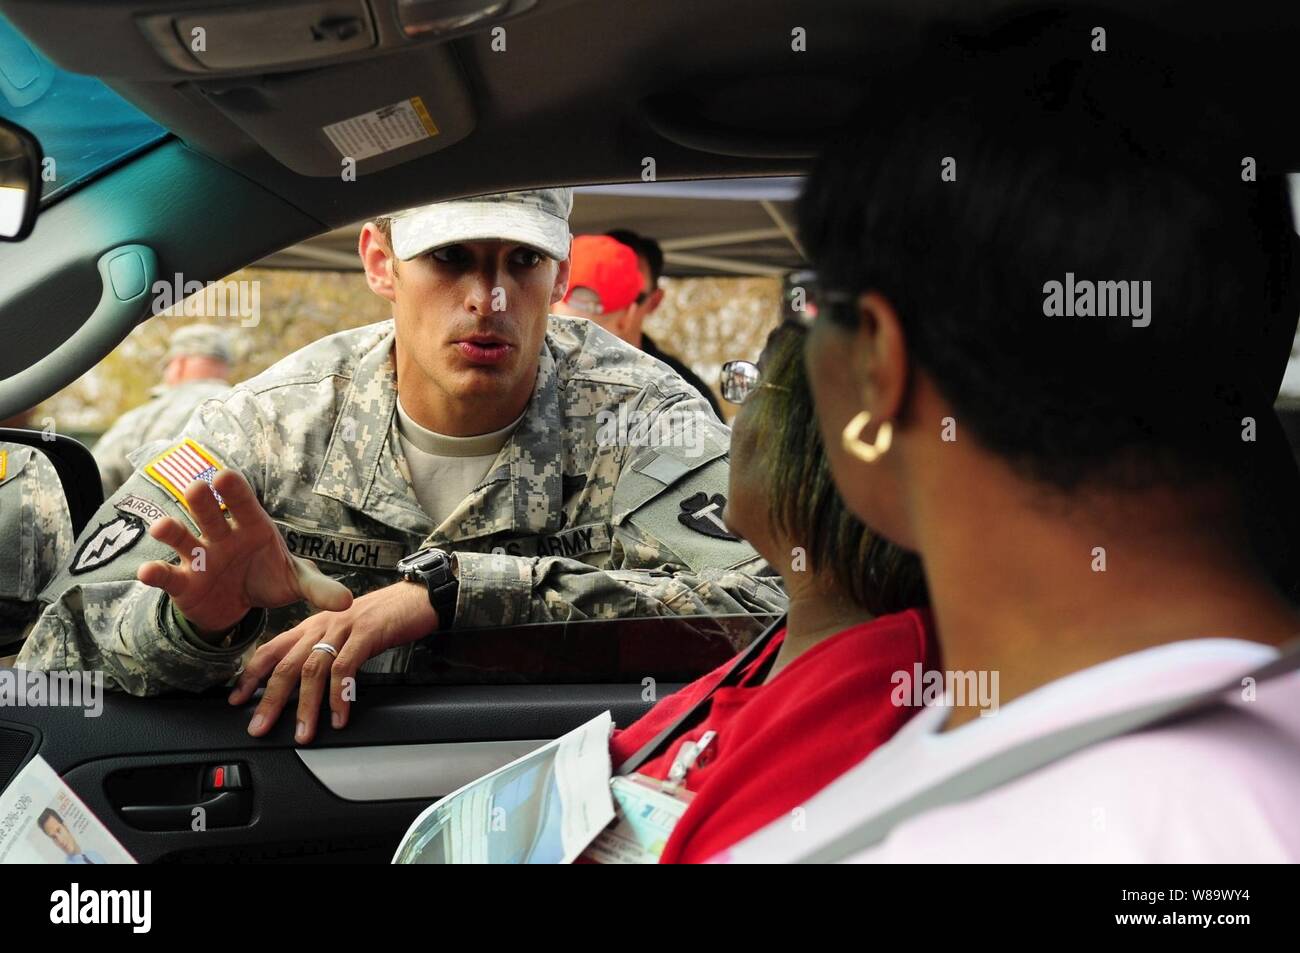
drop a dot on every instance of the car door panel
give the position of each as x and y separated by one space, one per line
142 762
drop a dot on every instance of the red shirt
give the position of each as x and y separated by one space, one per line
779 744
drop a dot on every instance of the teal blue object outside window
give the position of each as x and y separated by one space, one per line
83 125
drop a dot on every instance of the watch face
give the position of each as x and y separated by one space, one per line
421 561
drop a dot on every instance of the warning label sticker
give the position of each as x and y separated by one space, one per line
382 130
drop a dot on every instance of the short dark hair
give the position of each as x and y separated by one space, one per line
1065 161
46 815
802 500
646 249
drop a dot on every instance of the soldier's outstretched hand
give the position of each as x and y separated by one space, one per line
237 564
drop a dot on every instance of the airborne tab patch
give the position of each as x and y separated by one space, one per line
182 465
147 510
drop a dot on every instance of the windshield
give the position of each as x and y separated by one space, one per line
83 126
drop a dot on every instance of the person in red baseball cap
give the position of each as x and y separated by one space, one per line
604 283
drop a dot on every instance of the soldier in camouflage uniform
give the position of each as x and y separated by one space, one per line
35 537
602 503
197 365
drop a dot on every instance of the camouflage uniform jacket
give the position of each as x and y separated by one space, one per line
159 419
602 504
35 535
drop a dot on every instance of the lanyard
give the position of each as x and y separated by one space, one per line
691 716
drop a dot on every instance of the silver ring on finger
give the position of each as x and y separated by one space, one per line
325 647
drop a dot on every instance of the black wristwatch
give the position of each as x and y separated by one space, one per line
436 570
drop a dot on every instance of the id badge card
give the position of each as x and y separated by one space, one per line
645 816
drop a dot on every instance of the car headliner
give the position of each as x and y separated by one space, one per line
567 102
586 91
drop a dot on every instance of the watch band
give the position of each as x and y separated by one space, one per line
435 569
443 599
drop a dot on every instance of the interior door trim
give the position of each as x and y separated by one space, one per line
399 772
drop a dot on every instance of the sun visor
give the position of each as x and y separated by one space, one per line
353 118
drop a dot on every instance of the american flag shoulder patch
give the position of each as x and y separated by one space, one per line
180 466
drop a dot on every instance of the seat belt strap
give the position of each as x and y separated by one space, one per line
686 719
1038 752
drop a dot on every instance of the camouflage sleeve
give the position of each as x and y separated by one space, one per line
51 523
100 618
35 537
670 552
126 631
517 590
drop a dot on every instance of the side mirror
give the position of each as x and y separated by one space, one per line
20 181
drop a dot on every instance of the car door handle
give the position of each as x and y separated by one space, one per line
223 809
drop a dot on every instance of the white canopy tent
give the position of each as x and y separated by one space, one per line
713 227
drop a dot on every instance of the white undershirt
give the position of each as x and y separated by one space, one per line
445 470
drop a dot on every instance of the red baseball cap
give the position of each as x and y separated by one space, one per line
607 267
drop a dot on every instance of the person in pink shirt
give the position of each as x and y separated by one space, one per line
1050 331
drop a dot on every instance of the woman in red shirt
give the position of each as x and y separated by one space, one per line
815 699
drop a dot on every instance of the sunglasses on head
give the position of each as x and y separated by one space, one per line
806 296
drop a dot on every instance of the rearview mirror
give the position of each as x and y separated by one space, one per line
20 181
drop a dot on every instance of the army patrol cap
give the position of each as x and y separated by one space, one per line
538 218
207 340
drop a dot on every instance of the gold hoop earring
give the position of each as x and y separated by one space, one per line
854 444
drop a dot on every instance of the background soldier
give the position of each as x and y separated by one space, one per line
559 473
650 262
197 367
614 281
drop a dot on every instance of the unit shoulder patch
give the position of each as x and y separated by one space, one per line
108 542
703 513
13 462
